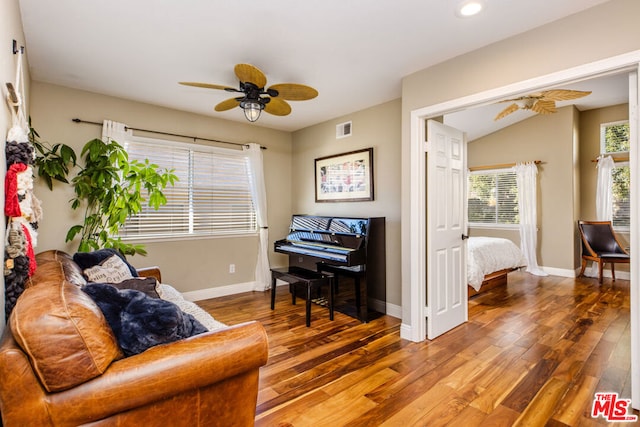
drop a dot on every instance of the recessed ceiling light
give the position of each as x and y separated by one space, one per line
470 8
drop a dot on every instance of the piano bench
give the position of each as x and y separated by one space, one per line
296 276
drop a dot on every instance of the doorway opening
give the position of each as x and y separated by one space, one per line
416 330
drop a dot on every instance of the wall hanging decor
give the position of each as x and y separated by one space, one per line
22 209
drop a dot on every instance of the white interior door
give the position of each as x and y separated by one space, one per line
446 224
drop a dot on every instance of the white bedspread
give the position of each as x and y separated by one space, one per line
488 254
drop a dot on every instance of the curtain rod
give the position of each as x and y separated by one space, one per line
619 158
76 120
500 166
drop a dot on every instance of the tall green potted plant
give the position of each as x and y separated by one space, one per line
109 187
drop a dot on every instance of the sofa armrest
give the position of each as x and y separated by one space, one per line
22 398
164 371
150 272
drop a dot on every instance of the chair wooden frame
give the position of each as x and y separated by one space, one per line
617 255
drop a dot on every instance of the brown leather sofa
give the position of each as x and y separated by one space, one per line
60 365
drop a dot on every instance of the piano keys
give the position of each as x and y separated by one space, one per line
353 249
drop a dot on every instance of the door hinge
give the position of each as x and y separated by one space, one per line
427 311
427 146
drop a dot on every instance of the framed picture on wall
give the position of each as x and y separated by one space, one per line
345 177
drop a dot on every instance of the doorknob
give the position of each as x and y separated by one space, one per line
464 236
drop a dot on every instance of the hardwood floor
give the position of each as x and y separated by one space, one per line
532 354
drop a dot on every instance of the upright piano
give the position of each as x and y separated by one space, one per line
352 249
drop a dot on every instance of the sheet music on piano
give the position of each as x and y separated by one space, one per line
353 249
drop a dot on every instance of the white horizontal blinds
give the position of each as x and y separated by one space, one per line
211 197
621 195
222 201
172 218
614 138
492 198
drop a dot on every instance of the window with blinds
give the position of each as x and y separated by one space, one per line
492 198
212 196
614 139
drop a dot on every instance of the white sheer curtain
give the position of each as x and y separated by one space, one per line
604 189
115 131
527 207
263 271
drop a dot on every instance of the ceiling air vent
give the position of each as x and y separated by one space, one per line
343 130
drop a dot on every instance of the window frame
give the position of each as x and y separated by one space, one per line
613 154
197 148
496 225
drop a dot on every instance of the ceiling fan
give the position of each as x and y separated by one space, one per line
541 102
255 97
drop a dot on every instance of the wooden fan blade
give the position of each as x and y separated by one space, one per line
278 107
563 94
510 109
227 104
294 91
249 73
207 85
544 107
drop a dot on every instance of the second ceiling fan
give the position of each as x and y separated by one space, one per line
541 102
255 97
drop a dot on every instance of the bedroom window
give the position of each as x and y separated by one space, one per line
492 198
614 140
212 197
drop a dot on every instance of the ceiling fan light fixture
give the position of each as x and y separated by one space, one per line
469 8
256 98
252 110
525 104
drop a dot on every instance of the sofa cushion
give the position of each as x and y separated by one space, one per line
140 322
89 259
64 334
146 285
111 270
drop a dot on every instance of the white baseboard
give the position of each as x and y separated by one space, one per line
562 272
394 310
220 291
406 333
624 275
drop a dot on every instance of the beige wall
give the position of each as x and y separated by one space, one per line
598 33
377 127
188 264
550 139
10 29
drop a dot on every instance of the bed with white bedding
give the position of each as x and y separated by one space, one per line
490 257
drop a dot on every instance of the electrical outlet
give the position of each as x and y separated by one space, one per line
232 268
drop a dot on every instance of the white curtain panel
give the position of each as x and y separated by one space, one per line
604 189
526 176
259 193
114 131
